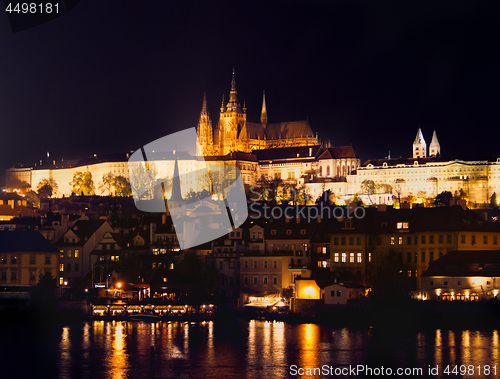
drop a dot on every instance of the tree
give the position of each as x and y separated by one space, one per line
143 181
493 200
192 270
115 185
47 188
122 186
388 277
107 183
82 183
368 188
443 199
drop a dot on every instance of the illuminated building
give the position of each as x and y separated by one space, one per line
426 176
75 248
235 134
263 150
417 236
467 275
24 256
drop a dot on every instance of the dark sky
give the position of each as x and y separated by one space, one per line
112 75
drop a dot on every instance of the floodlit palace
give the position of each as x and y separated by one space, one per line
292 152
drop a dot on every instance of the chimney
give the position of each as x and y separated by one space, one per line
381 208
298 219
163 218
152 230
319 217
352 208
65 220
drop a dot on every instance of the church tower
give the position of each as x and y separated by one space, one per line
263 114
419 146
232 120
205 136
434 148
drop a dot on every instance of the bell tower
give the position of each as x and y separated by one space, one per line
434 148
419 146
205 135
232 120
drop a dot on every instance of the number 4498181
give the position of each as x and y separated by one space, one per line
32 8
470 370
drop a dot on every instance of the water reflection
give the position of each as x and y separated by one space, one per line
256 349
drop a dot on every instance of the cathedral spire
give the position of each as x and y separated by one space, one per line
176 184
263 114
434 148
233 95
222 107
204 108
419 146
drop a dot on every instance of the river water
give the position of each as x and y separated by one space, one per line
241 349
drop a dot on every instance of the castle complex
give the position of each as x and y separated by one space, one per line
289 151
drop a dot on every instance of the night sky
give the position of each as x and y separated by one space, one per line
111 75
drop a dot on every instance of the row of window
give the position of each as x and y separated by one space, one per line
67 267
264 280
69 253
343 240
459 283
14 259
265 264
353 257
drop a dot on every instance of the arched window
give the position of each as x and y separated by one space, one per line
320 170
327 170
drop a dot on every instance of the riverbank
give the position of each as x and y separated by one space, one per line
422 314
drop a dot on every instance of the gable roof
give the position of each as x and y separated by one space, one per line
24 241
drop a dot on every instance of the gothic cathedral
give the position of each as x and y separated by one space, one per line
235 134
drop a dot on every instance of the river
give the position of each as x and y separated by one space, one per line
238 348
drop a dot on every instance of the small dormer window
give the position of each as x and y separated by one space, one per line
273 232
303 232
288 232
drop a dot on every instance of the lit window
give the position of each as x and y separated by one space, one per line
392 241
344 257
359 258
336 257
77 253
400 241
351 257
61 267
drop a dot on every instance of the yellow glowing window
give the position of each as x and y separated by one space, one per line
359 258
344 257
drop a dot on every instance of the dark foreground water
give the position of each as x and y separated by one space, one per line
241 349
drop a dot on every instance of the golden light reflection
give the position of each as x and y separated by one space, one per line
210 341
309 337
451 345
494 348
65 364
438 343
279 348
118 361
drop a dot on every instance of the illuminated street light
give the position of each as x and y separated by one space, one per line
119 285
